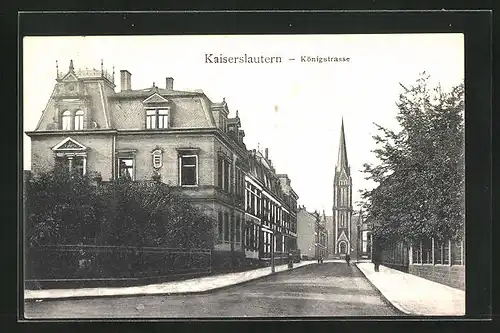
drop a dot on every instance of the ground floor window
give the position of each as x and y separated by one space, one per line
126 168
76 164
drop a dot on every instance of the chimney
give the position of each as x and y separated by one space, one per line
267 153
125 80
169 83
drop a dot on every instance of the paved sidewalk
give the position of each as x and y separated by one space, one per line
414 295
177 287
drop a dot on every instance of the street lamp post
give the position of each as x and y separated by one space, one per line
357 245
272 253
371 246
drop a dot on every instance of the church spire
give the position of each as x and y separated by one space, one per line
342 162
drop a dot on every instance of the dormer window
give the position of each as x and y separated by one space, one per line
79 120
223 123
72 121
157 118
66 120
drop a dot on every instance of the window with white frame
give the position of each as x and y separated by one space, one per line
157 118
188 170
66 120
79 120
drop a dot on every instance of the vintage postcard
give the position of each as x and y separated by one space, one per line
242 176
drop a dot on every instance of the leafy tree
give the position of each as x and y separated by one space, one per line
421 167
61 208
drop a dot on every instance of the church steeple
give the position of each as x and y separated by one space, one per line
342 163
342 200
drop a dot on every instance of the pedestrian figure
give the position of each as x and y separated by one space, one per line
347 258
376 257
376 263
321 259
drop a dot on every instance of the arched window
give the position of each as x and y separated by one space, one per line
66 120
79 120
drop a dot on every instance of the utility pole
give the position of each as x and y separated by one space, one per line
358 248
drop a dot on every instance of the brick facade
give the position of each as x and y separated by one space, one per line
453 276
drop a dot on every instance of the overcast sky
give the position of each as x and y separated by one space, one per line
292 108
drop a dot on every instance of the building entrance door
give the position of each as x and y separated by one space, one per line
343 248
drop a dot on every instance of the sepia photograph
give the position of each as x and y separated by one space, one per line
243 176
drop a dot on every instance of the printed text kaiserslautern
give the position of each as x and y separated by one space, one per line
243 59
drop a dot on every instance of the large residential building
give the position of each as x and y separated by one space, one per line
271 210
180 137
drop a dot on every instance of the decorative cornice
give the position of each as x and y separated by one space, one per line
60 132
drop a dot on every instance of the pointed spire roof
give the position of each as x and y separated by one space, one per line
342 162
71 67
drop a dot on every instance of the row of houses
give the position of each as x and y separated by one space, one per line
181 138
313 235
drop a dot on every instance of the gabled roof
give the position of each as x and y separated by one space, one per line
155 98
343 237
69 144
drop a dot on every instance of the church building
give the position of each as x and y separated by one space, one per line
347 232
342 200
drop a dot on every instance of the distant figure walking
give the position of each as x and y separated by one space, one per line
376 256
347 258
320 259
376 262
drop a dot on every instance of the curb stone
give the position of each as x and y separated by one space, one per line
394 305
201 292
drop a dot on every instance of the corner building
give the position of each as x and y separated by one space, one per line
180 137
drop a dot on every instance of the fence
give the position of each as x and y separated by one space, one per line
432 251
73 263
439 261
395 255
